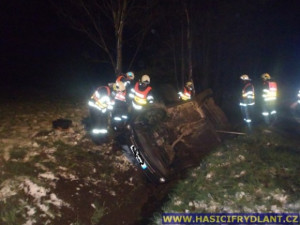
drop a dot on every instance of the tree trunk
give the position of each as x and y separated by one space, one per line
189 44
119 17
118 68
175 61
182 56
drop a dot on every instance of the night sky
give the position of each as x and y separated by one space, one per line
40 50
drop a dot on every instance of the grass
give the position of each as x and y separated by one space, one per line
55 154
18 153
255 173
11 212
99 212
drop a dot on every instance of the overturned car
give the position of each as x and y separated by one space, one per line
165 140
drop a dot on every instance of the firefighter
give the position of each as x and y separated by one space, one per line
120 112
247 99
141 94
269 97
127 78
101 105
187 91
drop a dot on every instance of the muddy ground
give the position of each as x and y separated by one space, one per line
94 184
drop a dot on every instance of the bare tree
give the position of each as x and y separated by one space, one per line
189 42
103 21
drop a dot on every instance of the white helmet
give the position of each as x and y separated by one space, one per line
245 77
120 86
266 76
145 79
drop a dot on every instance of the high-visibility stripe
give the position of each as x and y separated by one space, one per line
247 120
142 93
138 107
121 96
99 131
140 97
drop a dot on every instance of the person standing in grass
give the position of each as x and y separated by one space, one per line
269 98
100 107
247 99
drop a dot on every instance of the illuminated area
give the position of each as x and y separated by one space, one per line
99 131
229 143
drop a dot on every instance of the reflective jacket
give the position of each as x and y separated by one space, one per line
121 78
186 95
269 91
248 95
121 96
124 80
101 99
141 95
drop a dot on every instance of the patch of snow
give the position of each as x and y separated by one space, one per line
62 168
40 166
194 174
280 197
50 150
30 222
32 189
213 206
51 158
113 193
48 175
218 154
45 209
224 164
6 154
8 188
242 173
35 145
295 207
69 176
177 202
209 175
30 211
240 158
56 201
276 209
241 185
261 208
200 204
247 209
239 195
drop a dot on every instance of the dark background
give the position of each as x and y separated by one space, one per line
39 50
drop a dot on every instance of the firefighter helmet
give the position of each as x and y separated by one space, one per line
130 75
189 84
120 86
266 76
245 77
145 79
